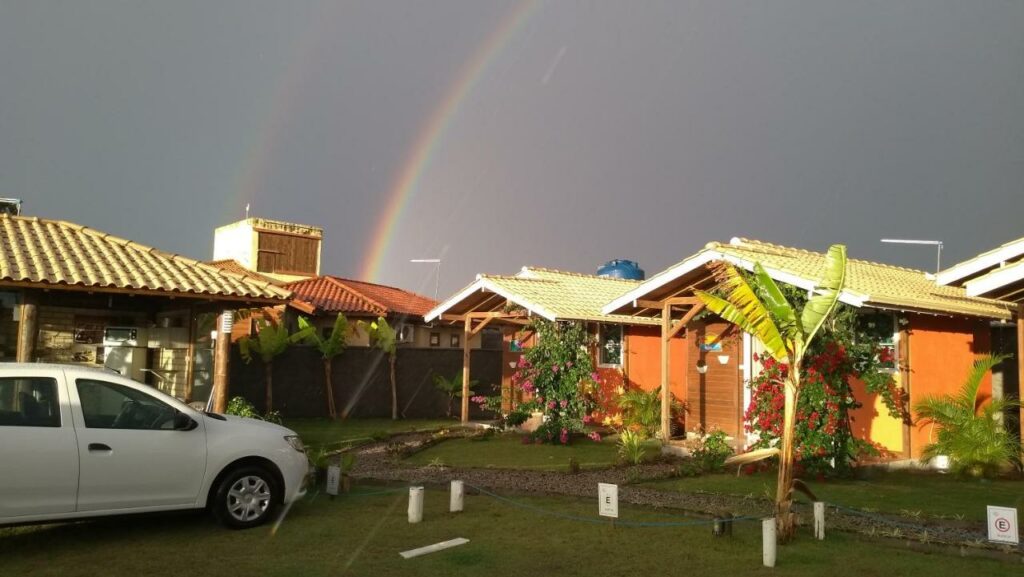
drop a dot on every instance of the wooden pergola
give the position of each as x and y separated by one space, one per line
675 304
473 322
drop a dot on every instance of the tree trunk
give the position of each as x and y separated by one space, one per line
394 389
784 489
269 375
329 389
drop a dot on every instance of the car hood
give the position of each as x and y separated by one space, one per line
246 422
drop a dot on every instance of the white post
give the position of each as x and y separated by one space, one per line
819 520
768 537
457 493
415 504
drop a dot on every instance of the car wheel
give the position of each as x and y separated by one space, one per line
246 497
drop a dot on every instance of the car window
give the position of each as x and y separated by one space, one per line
29 402
107 405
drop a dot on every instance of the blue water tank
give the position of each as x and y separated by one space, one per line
621 268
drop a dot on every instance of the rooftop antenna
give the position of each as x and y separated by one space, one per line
437 272
936 243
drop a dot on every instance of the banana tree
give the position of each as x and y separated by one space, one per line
386 339
329 347
272 339
759 308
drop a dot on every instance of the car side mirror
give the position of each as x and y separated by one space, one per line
183 422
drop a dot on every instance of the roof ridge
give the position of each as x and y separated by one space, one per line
357 293
816 253
515 277
580 274
345 280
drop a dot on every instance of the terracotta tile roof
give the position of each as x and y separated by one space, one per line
553 294
233 266
331 294
52 252
867 283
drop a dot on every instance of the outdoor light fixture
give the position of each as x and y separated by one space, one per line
511 364
702 367
723 359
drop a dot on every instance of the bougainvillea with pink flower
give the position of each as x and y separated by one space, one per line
559 374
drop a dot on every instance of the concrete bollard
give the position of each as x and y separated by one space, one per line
415 504
456 498
769 541
819 520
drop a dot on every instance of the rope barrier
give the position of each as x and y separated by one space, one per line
592 520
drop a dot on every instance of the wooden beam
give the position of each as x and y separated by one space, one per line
476 330
666 394
467 329
191 352
1020 365
28 329
649 304
681 325
46 287
221 360
454 318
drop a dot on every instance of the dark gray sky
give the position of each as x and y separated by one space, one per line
599 130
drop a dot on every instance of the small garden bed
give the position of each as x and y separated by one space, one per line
333 435
903 493
508 451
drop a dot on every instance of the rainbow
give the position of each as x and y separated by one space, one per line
432 134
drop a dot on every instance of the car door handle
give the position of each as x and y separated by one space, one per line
99 447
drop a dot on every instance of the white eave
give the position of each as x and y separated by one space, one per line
980 263
482 283
709 255
995 280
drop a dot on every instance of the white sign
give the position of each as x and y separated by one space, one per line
1002 525
608 500
333 477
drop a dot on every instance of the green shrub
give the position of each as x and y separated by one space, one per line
240 407
631 447
975 440
641 410
711 451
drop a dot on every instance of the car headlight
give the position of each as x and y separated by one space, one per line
296 443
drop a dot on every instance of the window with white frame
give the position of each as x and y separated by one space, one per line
610 345
881 327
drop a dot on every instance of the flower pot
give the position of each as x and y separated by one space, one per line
533 423
940 463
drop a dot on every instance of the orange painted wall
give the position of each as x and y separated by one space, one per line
873 423
643 360
942 350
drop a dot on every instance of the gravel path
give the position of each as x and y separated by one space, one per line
382 462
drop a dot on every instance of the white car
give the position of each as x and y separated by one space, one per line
78 442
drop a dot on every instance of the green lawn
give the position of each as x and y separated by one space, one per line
898 492
325 432
509 452
363 536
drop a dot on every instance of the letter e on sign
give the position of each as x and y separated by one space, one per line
1002 525
608 500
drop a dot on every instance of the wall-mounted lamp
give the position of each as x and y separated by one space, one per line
702 367
723 359
511 364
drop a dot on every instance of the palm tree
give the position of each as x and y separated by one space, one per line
452 387
759 308
329 347
386 339
969 432
272 339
